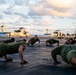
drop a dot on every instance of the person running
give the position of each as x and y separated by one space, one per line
49 42
33 40
67 52
12 48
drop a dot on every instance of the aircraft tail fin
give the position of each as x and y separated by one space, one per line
3 29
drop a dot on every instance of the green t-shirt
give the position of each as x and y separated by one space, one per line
52 41
32 40
65 50
3 49
13 47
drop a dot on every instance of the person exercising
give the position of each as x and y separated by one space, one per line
67 52
12 48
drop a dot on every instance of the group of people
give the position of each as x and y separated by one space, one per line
67 52
10 46
48 42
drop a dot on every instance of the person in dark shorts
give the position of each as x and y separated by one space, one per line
67 52
33 40
12 48
49 42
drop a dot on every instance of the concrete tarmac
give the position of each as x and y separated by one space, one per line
39 60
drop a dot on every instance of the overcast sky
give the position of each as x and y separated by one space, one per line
38 15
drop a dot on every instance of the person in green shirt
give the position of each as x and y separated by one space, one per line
33 40
67 52
70 41
12 48
9 40
51 41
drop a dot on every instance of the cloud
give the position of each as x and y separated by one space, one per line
37 13
2 1
60 8
19 2
46 21
15 2
7 9
1 17
35 17
61 4
7 12
20 14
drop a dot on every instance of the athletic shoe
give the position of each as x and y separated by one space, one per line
55 63
24 62
8 60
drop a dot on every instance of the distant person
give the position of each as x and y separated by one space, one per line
50 42
33 40
12 48
9 40
67 52
70 41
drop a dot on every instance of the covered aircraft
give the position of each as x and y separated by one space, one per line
17 33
